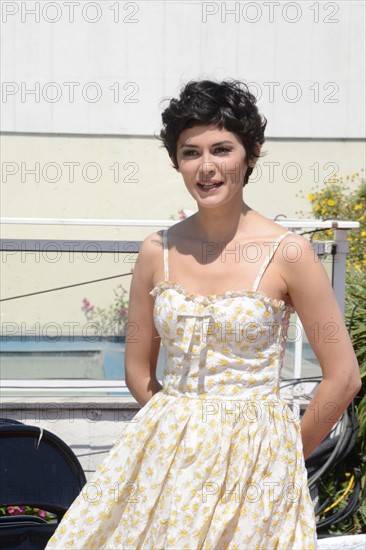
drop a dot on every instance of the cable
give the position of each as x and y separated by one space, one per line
63 287
313 231
320 507
351 318
346 491
349 509
95 453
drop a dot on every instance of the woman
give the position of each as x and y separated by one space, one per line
215 457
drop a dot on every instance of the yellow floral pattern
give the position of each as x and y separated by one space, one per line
214 460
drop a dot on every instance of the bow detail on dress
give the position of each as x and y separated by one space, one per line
198 321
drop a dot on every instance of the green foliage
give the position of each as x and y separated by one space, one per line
356 316
338 487
337 200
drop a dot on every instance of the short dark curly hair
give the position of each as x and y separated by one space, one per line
228 104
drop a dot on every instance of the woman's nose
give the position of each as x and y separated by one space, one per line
207 166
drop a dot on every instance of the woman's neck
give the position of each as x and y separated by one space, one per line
221 224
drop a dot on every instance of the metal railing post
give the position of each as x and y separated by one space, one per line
339 267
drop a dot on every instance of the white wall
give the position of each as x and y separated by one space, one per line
310 54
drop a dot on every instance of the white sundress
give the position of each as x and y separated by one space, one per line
214 460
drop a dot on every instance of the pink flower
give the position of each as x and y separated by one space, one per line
123 312
87 305
42 513
15 510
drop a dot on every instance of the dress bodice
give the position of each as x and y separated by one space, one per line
225 345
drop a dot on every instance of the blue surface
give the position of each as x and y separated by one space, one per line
113 352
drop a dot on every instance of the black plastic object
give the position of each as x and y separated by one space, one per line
37 469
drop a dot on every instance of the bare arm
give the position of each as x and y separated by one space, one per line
315 303
142 339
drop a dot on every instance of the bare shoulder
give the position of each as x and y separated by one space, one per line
298 252
296 259
152 245
263 228
302 270
152 248
149 257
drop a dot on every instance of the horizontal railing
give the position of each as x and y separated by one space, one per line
338 249
285 222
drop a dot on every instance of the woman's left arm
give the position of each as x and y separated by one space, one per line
313 298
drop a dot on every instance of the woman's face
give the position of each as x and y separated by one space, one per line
212 163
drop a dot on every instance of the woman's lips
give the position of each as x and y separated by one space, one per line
207 187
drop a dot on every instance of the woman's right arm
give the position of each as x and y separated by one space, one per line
142 338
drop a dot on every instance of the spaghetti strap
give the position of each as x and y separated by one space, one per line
166 260
267 260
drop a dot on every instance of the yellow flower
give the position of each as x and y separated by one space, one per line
310 197
363 233
358 206
330 202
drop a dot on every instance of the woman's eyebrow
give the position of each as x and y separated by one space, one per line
213 145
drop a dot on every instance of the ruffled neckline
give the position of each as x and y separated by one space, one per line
164 285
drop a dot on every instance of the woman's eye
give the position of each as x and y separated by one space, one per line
217 150
223 149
